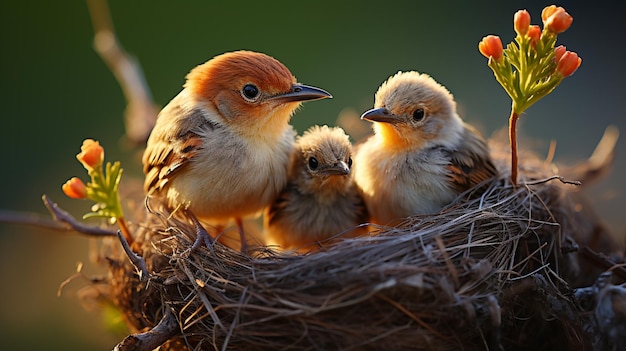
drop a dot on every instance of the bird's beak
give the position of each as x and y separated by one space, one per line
301 92
380 115
340 168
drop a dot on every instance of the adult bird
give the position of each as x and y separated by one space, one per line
220 149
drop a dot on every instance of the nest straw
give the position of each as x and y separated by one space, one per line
495 269
484 272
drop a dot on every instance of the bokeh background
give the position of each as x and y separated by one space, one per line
56 91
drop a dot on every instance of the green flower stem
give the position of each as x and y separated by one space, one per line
527 72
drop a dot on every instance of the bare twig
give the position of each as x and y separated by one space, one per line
138 262
551 152
600 260
141 111
79 273
600 161
33 219
72 223
561 179
152 339
604 151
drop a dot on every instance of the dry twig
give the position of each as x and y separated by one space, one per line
141 112
422 285
152 339
71 223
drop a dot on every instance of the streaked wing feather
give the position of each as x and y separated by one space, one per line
470 165
277 208
361 209
169 150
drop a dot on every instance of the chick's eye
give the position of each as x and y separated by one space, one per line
350 162
418 114
250 91
313 163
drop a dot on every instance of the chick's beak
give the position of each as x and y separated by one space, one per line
340 168
301 92
381 114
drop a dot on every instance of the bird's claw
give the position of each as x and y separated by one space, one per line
202 236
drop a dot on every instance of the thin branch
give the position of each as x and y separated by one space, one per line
78 274
551 152
153 338
561 179
71 223
603 262
138 262
600 161
32 219
141 112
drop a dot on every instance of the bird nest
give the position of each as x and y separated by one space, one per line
494 269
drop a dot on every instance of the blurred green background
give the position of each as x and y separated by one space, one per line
56 91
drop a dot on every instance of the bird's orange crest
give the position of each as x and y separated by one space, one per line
232 70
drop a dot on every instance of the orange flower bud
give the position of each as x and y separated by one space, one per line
75 188
568 63
521 22
91 154
491 46
556 19
534 33
547 12
558 52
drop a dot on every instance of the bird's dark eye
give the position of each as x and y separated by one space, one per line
350 162
418 114
250 91
313 163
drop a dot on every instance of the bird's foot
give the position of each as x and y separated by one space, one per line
202 236
242 236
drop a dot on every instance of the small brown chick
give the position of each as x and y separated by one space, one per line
320 199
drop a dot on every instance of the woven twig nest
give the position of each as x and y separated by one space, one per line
494 269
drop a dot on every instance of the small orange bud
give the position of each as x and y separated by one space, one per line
521 22
556 19
91 154
75 188
558 52
534 33
568 63
491 46
547 12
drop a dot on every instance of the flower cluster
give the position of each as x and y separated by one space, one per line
530 67
104 185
